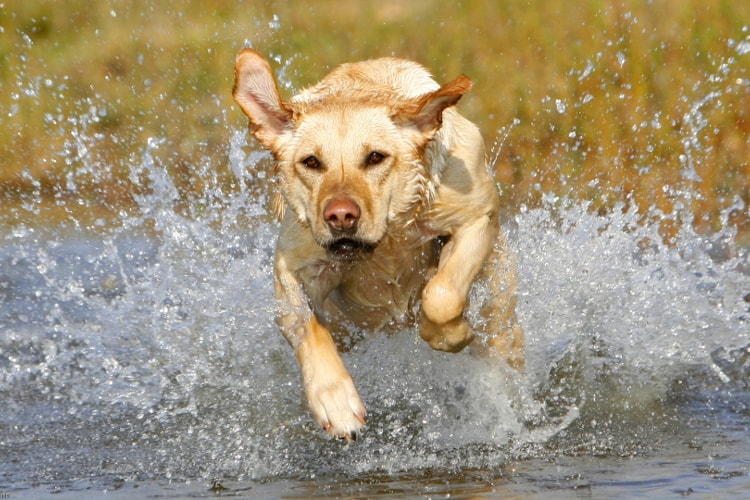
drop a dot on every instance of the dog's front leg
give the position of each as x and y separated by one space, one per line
444 297
329 388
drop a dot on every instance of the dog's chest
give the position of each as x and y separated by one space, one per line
386 286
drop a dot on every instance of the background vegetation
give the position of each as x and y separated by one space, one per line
601 100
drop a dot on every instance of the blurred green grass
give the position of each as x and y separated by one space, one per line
603 101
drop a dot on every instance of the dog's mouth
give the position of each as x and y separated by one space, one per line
349 249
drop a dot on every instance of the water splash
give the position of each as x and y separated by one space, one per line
168 343
152 342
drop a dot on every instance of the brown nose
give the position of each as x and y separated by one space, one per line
341 214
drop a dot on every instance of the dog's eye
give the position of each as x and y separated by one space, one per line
374 158
311 162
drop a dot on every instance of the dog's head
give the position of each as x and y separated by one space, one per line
350 156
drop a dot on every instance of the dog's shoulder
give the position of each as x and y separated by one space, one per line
385 80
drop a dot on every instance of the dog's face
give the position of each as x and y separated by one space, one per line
347 171
350 163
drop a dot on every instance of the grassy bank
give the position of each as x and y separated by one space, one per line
605 101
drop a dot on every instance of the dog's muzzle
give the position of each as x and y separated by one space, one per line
349 249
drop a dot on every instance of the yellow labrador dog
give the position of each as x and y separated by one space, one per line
386 199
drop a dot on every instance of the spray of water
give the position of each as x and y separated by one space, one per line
148 348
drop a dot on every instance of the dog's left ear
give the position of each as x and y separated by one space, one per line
426 112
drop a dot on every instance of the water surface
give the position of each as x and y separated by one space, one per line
139 354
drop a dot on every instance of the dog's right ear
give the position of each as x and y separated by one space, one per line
256 92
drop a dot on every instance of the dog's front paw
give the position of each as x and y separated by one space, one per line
330 391
452 336
335 405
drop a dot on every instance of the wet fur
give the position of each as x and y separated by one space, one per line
383 137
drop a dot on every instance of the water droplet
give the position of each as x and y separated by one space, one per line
275 24
587 70
621 59
743 47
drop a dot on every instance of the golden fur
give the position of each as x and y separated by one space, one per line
387 200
